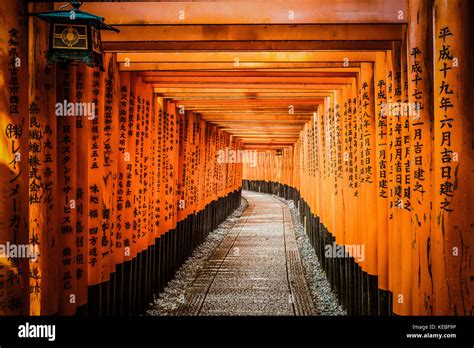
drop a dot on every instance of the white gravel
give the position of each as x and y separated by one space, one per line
324 299
168 301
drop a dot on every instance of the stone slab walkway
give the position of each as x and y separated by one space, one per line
256 269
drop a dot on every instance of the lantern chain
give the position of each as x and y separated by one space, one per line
74 4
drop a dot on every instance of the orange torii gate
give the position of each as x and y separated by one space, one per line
101 187
396 157
361 117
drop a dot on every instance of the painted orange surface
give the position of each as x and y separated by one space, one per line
169 125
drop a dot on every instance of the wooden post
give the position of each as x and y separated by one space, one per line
396 164
43 230
82 84
370 179
420 97
14 169
452 218
65 192
382 189
405 201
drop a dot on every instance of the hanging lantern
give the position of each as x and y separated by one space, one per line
75 35
278 152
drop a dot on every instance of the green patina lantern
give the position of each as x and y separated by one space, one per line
75 35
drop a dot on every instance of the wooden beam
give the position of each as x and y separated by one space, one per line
326 72
124 46
235 34
276 134
248 102
285 141
250 111
255 12
250 86
259 123
249 66
265 146
244 117
273 129
256 127
246 79
263 111
238 57
177 93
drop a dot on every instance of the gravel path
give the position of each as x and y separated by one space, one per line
172 296
203 285
324 299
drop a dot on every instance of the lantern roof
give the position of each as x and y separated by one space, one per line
79 17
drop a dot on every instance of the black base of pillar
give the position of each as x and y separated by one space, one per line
135 283
357 291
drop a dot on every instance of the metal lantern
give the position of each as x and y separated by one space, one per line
279 152
75 35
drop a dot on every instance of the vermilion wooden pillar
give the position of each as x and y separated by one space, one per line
82 83
43 229
66 192
404 205
381 170
396 173
14 168
452 235
369 165
420 97
95 182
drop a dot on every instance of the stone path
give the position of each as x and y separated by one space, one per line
256 269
